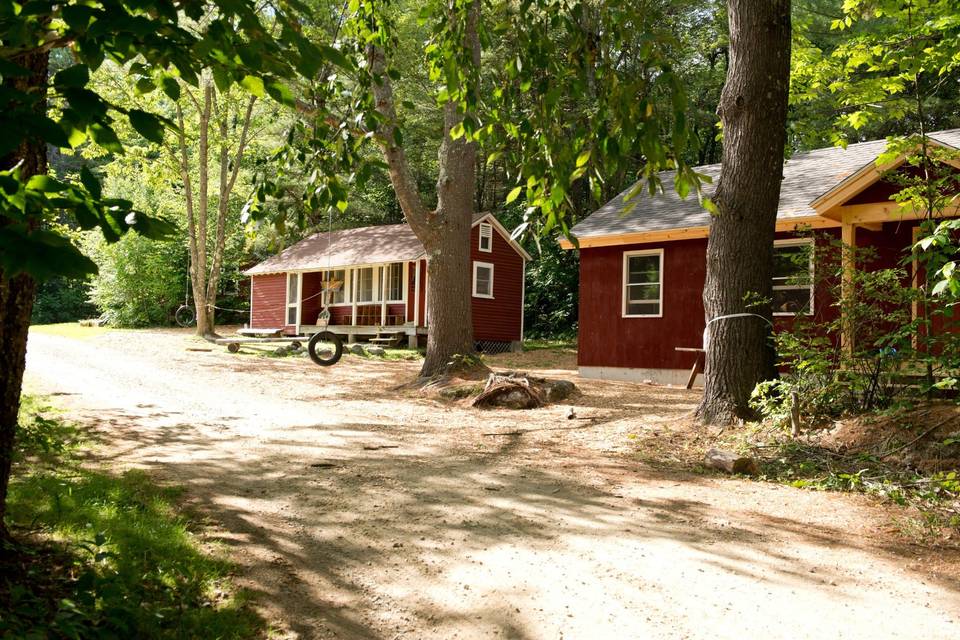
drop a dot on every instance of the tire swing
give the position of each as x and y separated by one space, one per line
325 348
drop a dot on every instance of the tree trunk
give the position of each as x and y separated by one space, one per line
17 293
445 232
753 110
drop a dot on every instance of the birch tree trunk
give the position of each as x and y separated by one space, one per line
206 259
753 110
17 293
444 232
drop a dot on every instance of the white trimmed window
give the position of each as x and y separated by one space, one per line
392 278
793 277
643 284
365 285
486 237
335 286
482 280
293 297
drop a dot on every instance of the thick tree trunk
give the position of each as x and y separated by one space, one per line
17 293
753 109
445 232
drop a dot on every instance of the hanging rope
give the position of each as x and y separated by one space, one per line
706 329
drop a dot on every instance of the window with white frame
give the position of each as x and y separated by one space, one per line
486 237
293 297
642 283
482 280
335 286
391 277
793 277
366 291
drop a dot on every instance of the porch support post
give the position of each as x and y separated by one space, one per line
848 233
353 298
416 293
385 270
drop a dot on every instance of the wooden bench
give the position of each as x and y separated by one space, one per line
697 364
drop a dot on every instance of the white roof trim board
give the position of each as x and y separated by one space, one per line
806 178
361 246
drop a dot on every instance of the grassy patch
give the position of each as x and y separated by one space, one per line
70 330
107 555
540 345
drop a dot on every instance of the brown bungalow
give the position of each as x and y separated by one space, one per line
376 284
643 264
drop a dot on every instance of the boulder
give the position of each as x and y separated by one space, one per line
731 462
356 349
374 350
557 390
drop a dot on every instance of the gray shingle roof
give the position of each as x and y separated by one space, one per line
377 244
806 176
348 247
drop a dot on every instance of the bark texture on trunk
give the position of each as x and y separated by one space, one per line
17 293
205 266
753 110
444 232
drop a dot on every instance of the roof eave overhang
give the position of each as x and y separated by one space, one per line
785 225
829 204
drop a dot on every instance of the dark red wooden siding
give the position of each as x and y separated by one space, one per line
312 302
499 318
269 301
607 339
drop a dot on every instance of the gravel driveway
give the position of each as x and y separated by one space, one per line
358 510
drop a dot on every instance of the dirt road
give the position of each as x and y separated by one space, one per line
358 511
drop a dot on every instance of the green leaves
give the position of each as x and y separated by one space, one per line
146 124
513 195
76 76
254 85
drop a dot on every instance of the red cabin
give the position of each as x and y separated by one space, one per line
373 281
643 261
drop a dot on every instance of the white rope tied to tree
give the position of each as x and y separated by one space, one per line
706 329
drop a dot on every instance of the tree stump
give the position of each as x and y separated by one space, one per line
731 462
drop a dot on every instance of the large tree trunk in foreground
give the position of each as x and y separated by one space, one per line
444 232
753 110
17 293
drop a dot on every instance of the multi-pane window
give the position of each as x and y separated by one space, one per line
793 277
392 278
642 281
365 288
335 286
482 280
486 237
293 297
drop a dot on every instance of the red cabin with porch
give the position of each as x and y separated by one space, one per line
643 259
373 282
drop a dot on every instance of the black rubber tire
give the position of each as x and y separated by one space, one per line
185 316
325 336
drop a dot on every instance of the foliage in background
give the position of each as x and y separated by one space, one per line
62 300
868 69
140 282
123 563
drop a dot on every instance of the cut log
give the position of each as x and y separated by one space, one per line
731 462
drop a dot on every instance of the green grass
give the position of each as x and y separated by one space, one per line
539 345
109 555
70 330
